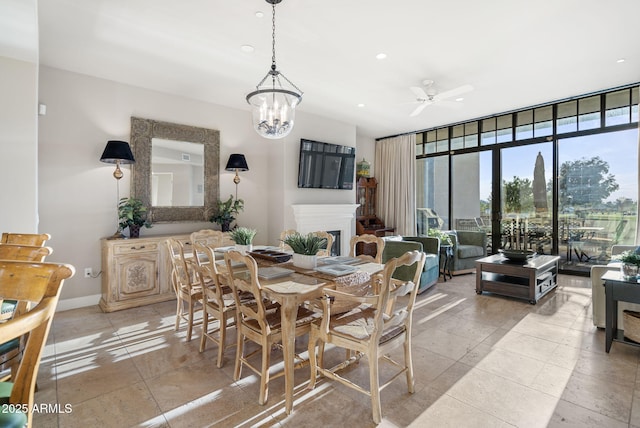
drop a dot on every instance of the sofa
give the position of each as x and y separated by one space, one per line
468 246
396 246
597 290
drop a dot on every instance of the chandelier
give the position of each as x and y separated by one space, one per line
275 99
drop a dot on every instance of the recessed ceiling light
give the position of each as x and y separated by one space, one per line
259 14
247 48
381 56
459 99
621 60
360 105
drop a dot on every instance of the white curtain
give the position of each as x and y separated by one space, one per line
395 170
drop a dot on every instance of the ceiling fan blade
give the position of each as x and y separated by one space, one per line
454 92
419 109
419 92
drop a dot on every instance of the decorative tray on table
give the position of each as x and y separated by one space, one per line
271 255
273 272
518 255
342 260
336 270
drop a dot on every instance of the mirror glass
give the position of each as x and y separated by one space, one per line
176 173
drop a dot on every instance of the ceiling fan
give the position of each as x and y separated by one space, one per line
429 95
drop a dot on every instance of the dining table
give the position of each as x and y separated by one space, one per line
300 285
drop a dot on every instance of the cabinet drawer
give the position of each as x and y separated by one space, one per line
135 247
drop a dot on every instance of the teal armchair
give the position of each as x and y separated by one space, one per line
398 245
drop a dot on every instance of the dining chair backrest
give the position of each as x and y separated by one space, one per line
180 270
329 238
212 238
37 239
246 281
42 293
26 253
367 241
208 274
283 236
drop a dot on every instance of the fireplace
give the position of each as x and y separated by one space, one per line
329 217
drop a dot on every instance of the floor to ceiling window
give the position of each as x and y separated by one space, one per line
496 174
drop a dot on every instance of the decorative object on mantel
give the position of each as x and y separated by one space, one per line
236 162
132 213
117 152
274 105
243 237
630 264
226 212
305 249
363 168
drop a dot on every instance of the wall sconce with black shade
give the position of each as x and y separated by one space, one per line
236 163
117 152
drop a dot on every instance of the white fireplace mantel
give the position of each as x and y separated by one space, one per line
314 217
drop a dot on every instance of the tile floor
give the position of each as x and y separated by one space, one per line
480 361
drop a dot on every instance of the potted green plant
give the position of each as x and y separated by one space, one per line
305 248
132 213
226 212
444 237
630 264
243 237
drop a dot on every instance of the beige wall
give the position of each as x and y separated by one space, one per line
78 193
18 145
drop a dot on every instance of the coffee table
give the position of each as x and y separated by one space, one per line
528 280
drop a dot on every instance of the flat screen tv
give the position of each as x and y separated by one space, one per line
326 166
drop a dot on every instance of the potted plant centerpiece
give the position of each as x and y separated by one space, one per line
243 237
630 264
305 248
132 213
226 212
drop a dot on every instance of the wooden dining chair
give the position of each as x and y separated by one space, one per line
210 237
37 239
372 330
366 241
283 236
10 352
185 284
329 237
40 297
27 253
257 321
217 300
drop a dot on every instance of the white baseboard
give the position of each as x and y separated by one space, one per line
78 302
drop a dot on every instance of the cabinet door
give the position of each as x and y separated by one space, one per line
137 275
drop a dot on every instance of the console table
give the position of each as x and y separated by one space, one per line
617 290
528 280
136 272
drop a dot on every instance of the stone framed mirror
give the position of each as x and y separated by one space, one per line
177 170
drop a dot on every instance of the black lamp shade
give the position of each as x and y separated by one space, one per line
117 151
237 161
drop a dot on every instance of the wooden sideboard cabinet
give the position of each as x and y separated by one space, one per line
136 272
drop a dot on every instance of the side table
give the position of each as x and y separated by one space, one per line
617 290
446 255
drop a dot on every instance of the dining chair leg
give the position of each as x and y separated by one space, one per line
178 313
375 388
312 361
222 329
264 378
408 361
190 324
239 356
205 330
